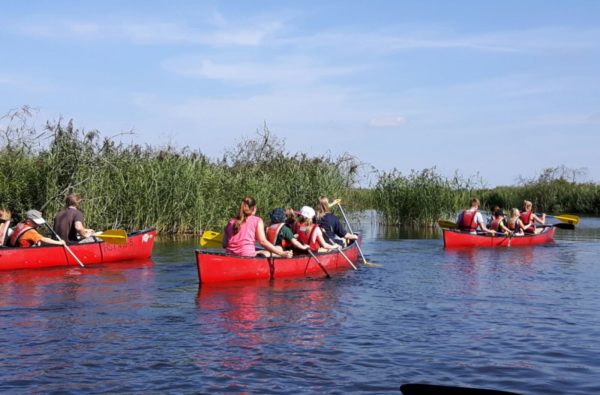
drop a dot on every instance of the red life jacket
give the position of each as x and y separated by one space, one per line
495 225
272 233
305 234
526 218
512 226
19 231
467 221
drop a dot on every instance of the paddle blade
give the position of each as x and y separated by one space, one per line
113 236
564 226
447 224
336 201
568 218
211 239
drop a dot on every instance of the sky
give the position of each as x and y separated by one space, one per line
499 89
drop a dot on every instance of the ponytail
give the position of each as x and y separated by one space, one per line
246 209
322 207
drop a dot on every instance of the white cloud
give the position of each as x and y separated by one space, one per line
387 121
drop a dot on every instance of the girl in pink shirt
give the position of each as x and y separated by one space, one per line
243 231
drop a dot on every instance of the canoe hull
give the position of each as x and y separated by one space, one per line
139 246
457 239
218 267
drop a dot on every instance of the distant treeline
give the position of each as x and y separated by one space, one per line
421 198
133 186
182 191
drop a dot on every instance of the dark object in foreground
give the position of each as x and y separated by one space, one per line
431 389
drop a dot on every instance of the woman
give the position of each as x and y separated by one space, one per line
333 229
243 231
310 233
514 223
528 218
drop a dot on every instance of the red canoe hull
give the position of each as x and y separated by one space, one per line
216 267
139 246
457 239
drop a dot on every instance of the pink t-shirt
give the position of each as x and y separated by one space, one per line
243 242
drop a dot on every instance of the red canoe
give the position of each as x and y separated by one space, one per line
214 267
458 239
139 246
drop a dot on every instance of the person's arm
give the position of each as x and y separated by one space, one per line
47 240
82 231
538 219
479 218
504 227
298 245
262 240
322 241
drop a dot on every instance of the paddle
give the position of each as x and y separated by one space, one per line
113 236
447 224
211 239
568 218
319 262
346 256
64 245
430 389
365 262
560 225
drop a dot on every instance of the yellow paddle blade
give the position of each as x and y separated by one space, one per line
211 239
568 218
336 201
447 224
113 236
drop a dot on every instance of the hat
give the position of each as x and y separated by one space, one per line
277 215
35 216
307 212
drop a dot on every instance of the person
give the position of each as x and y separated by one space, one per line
290 220
243 231
68 223
5 217
333 230
514 223
279 234
492 216
529 218
499 223
25 233
471 219
310 233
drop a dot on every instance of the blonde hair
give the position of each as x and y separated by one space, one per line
322 207
246 209
527 205
514 213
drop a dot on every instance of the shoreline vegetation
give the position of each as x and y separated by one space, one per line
181 191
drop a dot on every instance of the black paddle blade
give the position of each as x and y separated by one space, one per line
564 226
430 389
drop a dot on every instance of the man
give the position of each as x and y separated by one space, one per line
26 235
469 220
68 223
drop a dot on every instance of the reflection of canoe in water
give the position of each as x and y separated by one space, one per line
139 246
221 267
457 239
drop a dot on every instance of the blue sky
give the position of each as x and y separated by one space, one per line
499 88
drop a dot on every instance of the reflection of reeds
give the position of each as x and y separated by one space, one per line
177 191
421 198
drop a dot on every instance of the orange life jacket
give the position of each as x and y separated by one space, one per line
19 231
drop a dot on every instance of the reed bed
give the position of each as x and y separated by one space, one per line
178 191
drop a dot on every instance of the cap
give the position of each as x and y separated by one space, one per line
307 212
35 216
277 215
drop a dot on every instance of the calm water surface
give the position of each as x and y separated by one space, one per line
520 319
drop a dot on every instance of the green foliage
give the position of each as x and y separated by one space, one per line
177 191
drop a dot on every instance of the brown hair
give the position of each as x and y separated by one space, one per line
73 199
246 209
322 207
474 201
4 214
290 216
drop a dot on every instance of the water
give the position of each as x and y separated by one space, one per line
521 319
